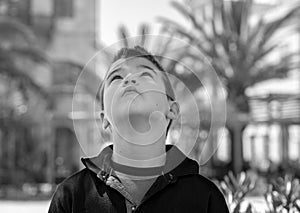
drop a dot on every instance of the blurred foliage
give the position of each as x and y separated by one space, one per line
283 195
238 49
235 189
35 90
241 50
18 55
24 103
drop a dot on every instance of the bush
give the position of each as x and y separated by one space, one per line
283 195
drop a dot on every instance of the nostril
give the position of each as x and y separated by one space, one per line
126 82
133 81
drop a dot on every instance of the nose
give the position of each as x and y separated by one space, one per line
130 79
133 81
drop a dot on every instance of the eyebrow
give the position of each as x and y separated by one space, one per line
147 67
139 66
113 72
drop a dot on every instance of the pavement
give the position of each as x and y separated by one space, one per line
24 206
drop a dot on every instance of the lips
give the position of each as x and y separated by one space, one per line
130 89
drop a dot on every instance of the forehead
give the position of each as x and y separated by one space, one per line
124 64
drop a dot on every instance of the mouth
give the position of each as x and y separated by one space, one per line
130 89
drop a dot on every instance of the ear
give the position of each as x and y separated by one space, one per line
174 110
105 122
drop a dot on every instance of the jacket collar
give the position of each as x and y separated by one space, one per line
177 164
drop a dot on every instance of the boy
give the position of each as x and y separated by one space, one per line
138 173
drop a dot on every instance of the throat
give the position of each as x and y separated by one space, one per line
139 123
138 171
158 161
139 144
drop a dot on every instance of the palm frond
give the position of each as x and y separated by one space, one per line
182 32
261 53
143 31
34 54
275 70
275 25
9 68
123 34
180 8
238 50
23 81
10 26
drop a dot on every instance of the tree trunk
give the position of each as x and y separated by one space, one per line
50 171
285 145
236 123
236 135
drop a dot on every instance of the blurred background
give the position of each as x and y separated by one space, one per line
253 46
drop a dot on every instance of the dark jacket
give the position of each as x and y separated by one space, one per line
179 189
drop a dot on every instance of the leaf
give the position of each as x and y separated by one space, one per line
34 54
237 208
249 209
233 180
199 27
23 80
123 34
10 26
144 30
236 49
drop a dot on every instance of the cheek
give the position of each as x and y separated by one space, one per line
108 97
154 85
161 85
158 101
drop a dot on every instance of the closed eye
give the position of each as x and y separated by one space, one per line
116 77
147 74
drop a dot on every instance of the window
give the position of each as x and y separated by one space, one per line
19 9
223 146
42 8
64 8
294 143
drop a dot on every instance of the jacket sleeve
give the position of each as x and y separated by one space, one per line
61 201
217 203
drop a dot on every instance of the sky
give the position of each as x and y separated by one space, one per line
131 13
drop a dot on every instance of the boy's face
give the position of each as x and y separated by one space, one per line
132 87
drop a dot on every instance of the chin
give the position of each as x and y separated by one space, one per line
123 112
136 106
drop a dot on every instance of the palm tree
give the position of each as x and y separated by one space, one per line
239 51
18 43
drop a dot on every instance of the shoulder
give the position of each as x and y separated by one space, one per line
202 186
77 176
201 181
216 199
206 190
195 188
73 183
70 193
207 183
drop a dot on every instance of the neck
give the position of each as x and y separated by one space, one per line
141 142
135 155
